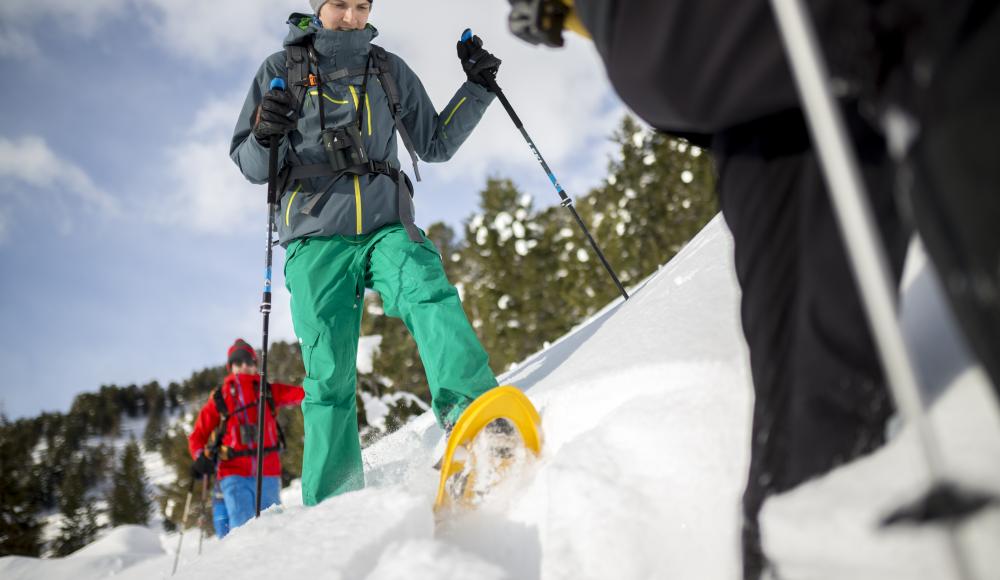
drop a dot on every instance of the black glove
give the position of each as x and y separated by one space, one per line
277 114
479 65
203 466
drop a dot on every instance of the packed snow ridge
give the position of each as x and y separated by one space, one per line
646 410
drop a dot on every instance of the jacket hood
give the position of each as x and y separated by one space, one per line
302 27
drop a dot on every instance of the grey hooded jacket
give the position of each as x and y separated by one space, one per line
350 205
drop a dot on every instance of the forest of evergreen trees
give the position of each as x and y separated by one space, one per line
526 275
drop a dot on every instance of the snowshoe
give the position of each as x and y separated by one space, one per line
496 435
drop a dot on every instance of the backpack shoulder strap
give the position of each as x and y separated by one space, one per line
220 403
388 81
215 437
297 65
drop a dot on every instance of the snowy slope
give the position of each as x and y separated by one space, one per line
646 412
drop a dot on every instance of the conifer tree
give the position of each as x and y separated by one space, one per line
79 525
506 272
128 500
155 404
20 530
659 193
174 451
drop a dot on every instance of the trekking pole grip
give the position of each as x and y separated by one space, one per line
277 84
494 88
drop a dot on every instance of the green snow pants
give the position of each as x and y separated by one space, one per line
326 278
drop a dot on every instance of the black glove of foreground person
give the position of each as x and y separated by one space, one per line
277 114
479 65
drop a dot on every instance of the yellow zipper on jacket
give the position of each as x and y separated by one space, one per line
368 106
357 200
357 179
288 210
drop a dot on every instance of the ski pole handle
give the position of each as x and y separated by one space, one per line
277 84
494 87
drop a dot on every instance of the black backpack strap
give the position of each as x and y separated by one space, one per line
343 74
298 82
404 198
215 438
395 106
297 64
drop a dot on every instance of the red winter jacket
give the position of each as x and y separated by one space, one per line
241 391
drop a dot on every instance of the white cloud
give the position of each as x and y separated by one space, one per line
562 96
29 161
205 190
82 16
220 32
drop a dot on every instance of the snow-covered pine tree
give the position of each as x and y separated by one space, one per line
660 192
504 274
79 524
128 499
155 404
20 529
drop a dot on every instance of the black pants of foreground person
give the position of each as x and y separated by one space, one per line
820 396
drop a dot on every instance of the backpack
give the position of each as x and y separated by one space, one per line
216 450
299 61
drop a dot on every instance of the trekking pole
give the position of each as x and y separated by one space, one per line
184 521
201 514
868 259
278 84
567 201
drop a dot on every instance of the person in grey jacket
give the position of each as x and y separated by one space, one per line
346 217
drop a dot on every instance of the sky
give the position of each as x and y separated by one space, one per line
131 248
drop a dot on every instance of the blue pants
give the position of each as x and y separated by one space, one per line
220 517
240 496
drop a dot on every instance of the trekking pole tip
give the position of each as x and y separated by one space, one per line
467 35
278 83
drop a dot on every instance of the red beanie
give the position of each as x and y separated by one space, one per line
241 352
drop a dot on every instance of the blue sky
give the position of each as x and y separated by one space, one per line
131 248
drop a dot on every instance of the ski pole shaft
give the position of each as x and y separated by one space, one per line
184 520
865 250
567 201
265 305
201 514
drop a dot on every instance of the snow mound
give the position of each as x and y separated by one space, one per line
137 540
113 554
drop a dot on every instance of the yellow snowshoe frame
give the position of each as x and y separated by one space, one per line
507 402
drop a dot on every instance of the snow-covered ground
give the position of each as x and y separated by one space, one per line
646 411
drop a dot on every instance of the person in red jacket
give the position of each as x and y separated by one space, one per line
224 440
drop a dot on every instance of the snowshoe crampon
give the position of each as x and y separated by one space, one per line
495 435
